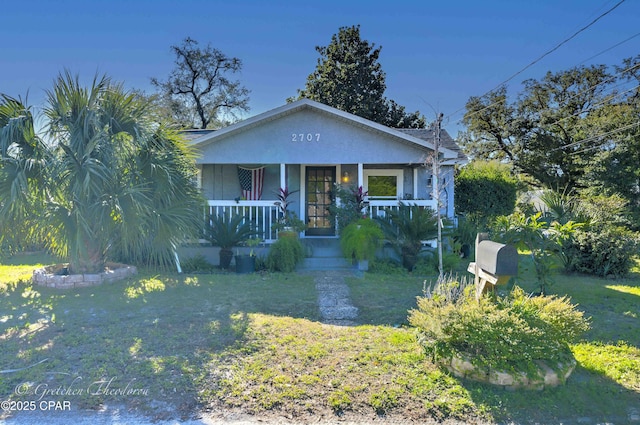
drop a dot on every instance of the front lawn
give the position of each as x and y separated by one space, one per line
223 343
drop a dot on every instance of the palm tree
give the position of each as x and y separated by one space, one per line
105 181
406 227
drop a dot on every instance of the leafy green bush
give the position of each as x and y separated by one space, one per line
361 239
485 190
285 254
386 266
509 333
350 208
428 265
601 251
544 240
196 264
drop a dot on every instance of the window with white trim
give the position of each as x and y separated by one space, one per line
383 184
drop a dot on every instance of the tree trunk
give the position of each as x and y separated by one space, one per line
87 261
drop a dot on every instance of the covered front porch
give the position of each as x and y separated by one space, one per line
313 192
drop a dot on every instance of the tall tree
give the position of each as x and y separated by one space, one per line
615 166
200 89
557 128
349 77
108 183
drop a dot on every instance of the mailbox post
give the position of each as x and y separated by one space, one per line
495 264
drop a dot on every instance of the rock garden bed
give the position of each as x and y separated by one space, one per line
57 276
547 377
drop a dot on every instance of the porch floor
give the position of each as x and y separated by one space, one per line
324 254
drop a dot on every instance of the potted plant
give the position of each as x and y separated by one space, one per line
288 223
352 205
246 263
465 235
226 232
360 240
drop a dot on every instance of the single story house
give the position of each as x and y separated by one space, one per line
308 148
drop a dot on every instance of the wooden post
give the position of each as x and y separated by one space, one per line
479 283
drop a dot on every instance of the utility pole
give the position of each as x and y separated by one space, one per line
436 189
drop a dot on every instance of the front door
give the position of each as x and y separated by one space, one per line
319 187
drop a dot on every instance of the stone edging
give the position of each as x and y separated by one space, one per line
547 377
46 276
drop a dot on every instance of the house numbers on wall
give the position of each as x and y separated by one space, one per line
305 137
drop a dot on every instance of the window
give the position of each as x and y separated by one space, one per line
383 184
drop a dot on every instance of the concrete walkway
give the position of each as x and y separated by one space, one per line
334 298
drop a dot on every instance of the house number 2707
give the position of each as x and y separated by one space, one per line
305 137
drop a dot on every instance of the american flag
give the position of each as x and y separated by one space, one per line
251 180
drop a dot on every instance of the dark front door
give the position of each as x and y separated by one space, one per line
319 186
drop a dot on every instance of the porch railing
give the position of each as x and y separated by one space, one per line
377 207
263 214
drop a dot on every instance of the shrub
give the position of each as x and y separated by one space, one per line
543 240
509 334
386 266
485 190
601 251
350 208
428 265
196 264
285 254
361 239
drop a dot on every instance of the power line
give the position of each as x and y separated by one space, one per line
556 48
606 80
610 48
598 136
602 102
561 44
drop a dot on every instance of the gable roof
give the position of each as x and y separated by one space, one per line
446 140
450 151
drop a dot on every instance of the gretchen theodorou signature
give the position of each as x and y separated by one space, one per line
103 387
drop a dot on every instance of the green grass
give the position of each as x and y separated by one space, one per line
253 343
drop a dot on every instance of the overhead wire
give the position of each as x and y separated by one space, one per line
607 80
596 137
551 51
610 48
602 102
560 44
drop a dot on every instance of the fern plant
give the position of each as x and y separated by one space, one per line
361 239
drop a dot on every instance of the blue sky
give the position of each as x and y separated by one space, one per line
435 54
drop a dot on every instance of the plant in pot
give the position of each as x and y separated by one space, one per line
288 223
226 232
351 206
465 235
360 240
246 263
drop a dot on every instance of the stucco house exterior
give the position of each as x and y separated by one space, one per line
309 147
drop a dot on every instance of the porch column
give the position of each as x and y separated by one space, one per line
415 183
199 176
283 175
360 175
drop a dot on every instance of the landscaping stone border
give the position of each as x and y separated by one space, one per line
547 376
49 276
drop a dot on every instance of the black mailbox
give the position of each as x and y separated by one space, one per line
496 258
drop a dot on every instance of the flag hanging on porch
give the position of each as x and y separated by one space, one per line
251 180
